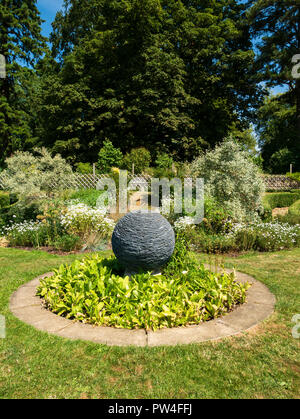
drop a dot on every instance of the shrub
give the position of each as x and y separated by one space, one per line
291 219
140 157
217 219
28 234
67 242
211 243
86 196
295 208
164 161
231 178
36 176
22 211
280 160
81 220
294 176
109 157
266 236
4 199
280 199
84 168
266 213
93 291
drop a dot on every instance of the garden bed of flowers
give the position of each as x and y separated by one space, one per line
66 227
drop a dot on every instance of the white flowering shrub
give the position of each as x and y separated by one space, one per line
183 223
81 220
27 233
36 175
232 179
265 236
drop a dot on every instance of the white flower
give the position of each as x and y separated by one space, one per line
183 222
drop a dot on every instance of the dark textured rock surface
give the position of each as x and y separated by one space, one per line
143 241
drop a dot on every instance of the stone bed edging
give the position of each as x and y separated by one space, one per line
260 303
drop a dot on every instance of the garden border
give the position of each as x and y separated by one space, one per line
27 307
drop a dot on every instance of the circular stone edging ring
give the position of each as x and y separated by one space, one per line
260 303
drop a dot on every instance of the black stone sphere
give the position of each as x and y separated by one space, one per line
143 240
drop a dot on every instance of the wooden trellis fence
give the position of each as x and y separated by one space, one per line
280 183
89 181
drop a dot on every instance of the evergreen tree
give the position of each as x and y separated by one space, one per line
278 136
169 75
277 24
20 42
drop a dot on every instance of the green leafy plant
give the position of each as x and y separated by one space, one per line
140 157
94 291
164 161
86 196
295 208
84 168
280 199
4 199
108 157
67 243
294 176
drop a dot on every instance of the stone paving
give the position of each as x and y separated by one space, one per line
27 307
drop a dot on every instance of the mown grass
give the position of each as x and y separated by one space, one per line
263 363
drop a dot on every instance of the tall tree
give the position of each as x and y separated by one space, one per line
20 42
276 25
170 75
278 136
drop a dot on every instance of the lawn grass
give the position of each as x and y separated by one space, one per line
263 363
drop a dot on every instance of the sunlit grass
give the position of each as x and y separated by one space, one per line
263 363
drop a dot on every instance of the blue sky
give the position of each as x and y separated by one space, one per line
49 8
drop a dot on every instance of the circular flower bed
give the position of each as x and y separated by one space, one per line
95 291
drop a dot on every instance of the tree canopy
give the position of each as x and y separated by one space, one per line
276 26
173 76
20 42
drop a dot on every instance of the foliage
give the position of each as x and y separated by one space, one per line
84 168
27 233
4 199
295 208
164 161
231 178
36 175
289 218
161 72
294 176
20 42
109 157
280 199
275 24
93 291
200 241
266 237
281 160
276 121
216 218
67 243
140 157
86 196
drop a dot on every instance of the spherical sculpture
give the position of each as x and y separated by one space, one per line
143 240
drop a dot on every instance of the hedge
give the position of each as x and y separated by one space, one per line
280 199
295 208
